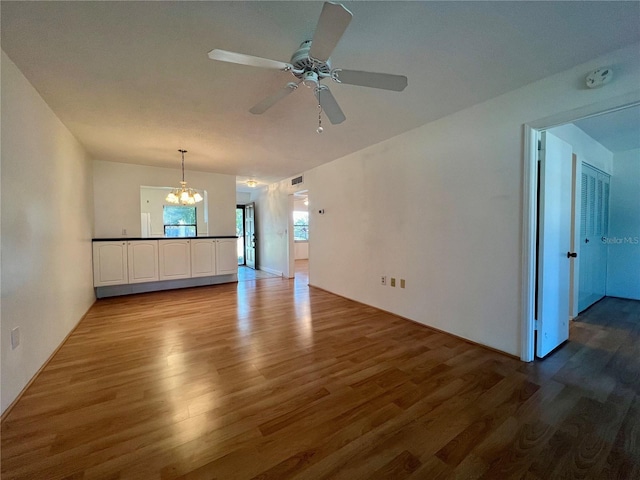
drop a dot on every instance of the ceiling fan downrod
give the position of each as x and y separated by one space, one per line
319 129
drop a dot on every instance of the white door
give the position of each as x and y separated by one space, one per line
250 235
594 227
554 242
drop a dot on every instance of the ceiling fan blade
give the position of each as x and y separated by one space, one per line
329 105
268 102
242 59
333 21
384 81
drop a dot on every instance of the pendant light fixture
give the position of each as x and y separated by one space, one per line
183 195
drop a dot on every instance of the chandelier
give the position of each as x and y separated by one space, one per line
183 195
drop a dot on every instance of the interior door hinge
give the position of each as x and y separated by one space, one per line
539 145
536 324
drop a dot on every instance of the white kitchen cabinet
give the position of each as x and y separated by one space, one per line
203 257
110 263
151 263
174 259
143 260
226 256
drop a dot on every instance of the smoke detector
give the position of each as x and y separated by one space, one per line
599 77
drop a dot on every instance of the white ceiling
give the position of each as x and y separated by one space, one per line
132 80
617 131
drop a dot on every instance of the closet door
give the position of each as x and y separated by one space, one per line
594 228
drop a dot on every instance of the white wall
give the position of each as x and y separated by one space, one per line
117 196
299 206
623 269
586 148
441 206
301 250
242 198
47 220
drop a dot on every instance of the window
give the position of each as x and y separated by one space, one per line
301 226
179 221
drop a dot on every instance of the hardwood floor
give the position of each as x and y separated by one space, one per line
271 379
249 274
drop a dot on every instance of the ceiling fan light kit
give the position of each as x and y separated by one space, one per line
311 64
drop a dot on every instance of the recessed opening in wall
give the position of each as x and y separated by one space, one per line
179 221
152 214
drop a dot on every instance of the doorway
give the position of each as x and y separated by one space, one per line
240 233
299 235
550 290
250 257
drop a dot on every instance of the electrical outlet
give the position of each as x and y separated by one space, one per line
402 283
383 280
15 338
393 282
124 231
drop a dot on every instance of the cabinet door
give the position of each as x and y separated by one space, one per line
175 259
203 257
227 256
109 263
143 261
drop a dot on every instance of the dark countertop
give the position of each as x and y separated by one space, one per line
120 239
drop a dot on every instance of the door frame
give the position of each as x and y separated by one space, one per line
291 256
529 259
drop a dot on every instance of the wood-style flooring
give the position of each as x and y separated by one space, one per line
271 379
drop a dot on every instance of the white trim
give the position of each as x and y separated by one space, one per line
606 106
529 203
291 252
529 235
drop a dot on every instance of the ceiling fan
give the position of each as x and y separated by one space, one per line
310 64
